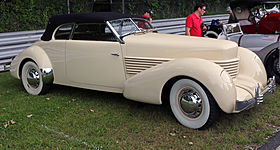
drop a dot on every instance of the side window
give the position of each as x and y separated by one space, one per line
93 32
63 32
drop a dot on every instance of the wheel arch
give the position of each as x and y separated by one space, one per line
22 63
168 85
270 66
35 54
269 54
267 51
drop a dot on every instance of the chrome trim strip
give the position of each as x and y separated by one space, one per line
259 96
134 65
47 75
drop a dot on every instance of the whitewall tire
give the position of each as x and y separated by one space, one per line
192 105
32 80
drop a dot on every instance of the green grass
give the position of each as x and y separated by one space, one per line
62 120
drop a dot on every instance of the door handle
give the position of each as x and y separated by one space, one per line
115 54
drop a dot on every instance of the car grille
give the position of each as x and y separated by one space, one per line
231 66
134 65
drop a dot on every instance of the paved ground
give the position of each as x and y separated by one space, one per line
273 143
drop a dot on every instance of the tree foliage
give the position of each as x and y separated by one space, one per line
22 15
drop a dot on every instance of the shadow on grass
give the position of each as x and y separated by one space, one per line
224 122
108 98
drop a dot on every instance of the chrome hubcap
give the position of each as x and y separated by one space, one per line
190 102
33 78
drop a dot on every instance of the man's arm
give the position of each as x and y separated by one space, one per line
188 31
189 23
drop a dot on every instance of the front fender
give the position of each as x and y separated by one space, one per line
250 65
147 86
35 53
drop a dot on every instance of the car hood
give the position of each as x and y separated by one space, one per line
178 46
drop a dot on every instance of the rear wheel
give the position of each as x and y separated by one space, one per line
32 81
192 105
272 66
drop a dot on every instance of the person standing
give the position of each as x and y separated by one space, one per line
147 16
232 18
194 21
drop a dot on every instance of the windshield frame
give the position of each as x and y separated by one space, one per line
120 37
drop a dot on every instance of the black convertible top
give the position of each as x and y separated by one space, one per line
251 3
97 17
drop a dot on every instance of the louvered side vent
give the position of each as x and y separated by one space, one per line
231 66
134 65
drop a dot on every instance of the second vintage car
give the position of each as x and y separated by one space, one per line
258 29
108 51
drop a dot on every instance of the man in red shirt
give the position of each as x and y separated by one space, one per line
148 16
194 21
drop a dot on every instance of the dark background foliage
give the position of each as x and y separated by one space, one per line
22 15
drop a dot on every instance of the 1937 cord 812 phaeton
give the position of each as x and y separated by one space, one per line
109 52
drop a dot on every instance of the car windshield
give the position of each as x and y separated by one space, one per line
124 26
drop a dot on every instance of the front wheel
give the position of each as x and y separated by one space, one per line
272 66
192 105
32 81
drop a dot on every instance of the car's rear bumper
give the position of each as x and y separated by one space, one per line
4 67
260 96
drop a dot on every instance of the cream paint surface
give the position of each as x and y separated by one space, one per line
100 66
95 63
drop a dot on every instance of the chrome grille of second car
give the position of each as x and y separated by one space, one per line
231 66
134 65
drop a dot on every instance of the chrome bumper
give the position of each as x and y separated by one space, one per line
4 67
259 96
47 75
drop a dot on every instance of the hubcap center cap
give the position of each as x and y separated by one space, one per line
190 102
33 78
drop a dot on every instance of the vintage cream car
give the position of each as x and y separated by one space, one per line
109 52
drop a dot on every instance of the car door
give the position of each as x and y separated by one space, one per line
55 49
94 57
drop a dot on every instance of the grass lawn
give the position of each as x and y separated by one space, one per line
73 118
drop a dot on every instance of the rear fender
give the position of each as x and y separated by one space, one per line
147 86
34 53
261 44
